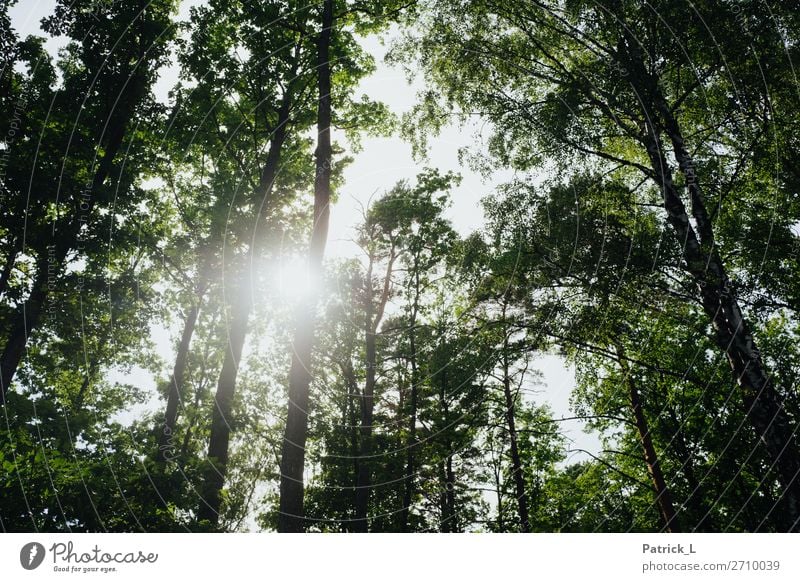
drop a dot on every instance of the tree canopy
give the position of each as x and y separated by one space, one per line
180 350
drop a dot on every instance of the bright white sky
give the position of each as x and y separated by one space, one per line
381 163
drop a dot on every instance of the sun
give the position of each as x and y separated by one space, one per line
290 278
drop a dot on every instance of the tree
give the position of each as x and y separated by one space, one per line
107 75
165 366
333 44
292 459
605 82
253 112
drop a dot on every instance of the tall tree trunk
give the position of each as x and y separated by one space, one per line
450 495
355 444
183 454
80 397
410 478
187 435
373 319
662 491
166 433
498 484
291 516
364 476
449 518
352 422
214 477
516 462
762 403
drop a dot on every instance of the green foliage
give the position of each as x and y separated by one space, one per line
123 219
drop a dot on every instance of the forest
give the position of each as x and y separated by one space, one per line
181 350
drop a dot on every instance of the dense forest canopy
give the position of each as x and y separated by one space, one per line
180 350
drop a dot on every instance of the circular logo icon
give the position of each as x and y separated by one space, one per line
31 555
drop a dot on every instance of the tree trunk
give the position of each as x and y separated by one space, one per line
80 397
516 462
219 440
187 435
373 318
498 484
364 477
352 421
361 498
291 516
663 494
25 322
449 520
8 267
166 434
762 403
355 444
450 523
408 493
214 477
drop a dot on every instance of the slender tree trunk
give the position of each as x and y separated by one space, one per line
410 480
516 462
662 491
373 318
166 434
763 404
187 435
291 516
501 526
214 478
345 423
450 494
364 477
361 497
353 397
695 497
444 509
195 415
449 518
219 440
221 418
355 444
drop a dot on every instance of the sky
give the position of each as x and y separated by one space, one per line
377 167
